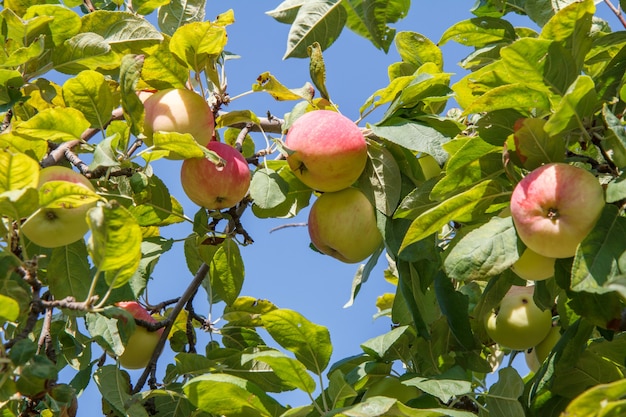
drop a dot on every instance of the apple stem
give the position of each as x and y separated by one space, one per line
553 214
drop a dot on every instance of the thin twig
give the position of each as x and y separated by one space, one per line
187 295
617 11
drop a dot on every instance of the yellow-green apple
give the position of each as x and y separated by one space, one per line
141 344
554 207
538 354
518 323
532 266
430 166
392 387
216 186
328 151
52 227
342 224
178 110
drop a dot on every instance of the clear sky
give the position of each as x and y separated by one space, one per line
280 266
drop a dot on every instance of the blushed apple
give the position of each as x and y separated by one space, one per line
554 207
329 150
216 187
518 323
532 266
178 110
141 344
55 227
342 224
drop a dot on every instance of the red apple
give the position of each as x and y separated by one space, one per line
342 224
555 207
518 323
216 186
329 150
141 344
178 110
54 227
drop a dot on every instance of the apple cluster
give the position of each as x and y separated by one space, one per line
210 185
328 152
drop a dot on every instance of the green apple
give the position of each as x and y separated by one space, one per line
392 387
533 267
328 151
554 207
55 227
141 344
216 187
342 224
537 355
518 323
177 110
430 166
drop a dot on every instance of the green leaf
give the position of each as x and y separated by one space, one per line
17 171
296 198
268 189
130 73
229 395
68 271
177 14
511 96
90 93
179 145
10 83
455 306
414 136
484 252
615 137
383 346
417 49
114 385
115 242
381 180
534 146
155 206
65 194
289 370
310 342
479 31
502 398
247 311
317 21
59 124
84 51
450 383
235 117
121 29
286 11
578 103
603 400
162 70
9 309
268 83
196 42
227 271
65 22
601 256
19 204
370 19
317 69
463 207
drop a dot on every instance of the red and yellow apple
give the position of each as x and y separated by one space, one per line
216 186
141 344
178 110
554 207
518 323
532 266
328 150
54 227
538 354
342 224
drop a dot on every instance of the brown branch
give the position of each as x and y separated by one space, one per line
242 136
269 124
169 322
617 11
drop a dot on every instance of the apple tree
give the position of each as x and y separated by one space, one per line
89 124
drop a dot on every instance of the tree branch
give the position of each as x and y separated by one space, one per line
187 295
617 11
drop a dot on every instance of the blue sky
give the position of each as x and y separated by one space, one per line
280 266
